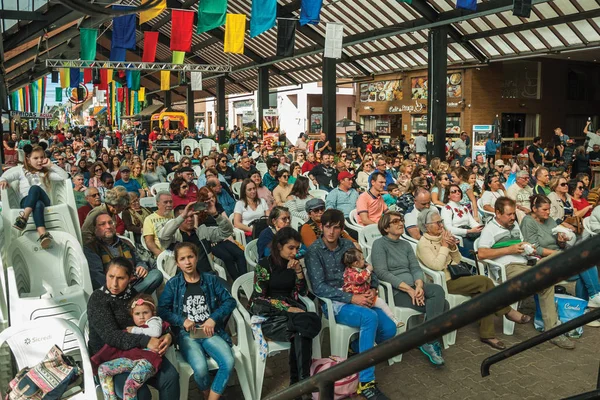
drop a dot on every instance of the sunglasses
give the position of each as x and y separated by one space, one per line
184 186
396 221
454 191
579 187
318 210
98 170
562 184
285 176
95 195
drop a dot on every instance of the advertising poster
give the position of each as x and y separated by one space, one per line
381 91
270 128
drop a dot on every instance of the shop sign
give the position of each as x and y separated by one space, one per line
269 112
30 115
248 117
418 107
243 104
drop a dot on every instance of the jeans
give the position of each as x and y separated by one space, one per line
375 327
150 283
195 352
166 381
587 283
36 199
232 256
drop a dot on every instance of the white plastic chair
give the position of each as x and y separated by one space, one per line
170 177
168 256
586 228
235 188
353 223
177 155
193 143
485 215
262 168
160 187
61 216
238 234
148 202
206 145
318 194
197 170
246 284
251 254
47 283
366 237
297 223
30 342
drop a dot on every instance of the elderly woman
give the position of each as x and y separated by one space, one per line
134 216
394 262
459 221
537 230
109 317
582 207
79 190
278 218
561 206
278 281
437 250
197 305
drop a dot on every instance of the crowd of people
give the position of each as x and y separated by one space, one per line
512 210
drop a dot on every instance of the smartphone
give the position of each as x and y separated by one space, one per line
199 333
200 206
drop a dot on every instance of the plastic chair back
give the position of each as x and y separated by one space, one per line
160 187
235 188
170 176
318 194
366 237
251 253
206 145
177 155
193 143
297 223
148 202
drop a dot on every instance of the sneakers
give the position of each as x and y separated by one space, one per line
563 342
594 301
593 324
399 324
45 240
433 352
370 391
20 223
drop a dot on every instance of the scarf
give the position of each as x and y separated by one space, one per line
126 295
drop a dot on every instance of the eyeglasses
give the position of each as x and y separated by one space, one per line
223 161
579 187
109 183
184 186
396 221
438 223
95 195
150 163
285 219
562 184
455 191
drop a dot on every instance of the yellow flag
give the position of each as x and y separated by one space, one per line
65 78
154 12
165 80
178 57
131 102
109 77
142 94
235 31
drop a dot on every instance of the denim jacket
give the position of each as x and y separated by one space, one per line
220 302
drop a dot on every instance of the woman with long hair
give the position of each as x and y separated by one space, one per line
458 219
295 172
34 177
406 169
278 282
580 204
249 207
296 201
136 174
440 185
115 165
96 171
160 168
366 169
151 174
262 190
187 151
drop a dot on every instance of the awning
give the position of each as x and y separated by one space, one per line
151 109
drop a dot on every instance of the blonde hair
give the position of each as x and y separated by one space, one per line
555 181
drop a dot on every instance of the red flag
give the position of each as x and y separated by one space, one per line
182 24
103 80
150 42
87 75
120 94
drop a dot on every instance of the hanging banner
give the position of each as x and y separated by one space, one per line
75 77
120 94
182 26
123 28
65 78
88 38
101 96
134 83
211 14
150 43
178 57
263 17
196 80
334 36
58 94
165 80
55 76
286 37
310 11
87 75
142 94
235 32
467 4
152 13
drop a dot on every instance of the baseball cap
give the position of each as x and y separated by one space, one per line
499 163
344 175
313 204
125 168
186 169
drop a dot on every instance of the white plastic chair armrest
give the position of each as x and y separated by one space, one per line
389 293
220 271
310 305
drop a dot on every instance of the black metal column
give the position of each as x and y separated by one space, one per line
263 96
329 101
168 100
190 107
436 90
221 114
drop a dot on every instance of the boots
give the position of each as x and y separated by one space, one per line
300 360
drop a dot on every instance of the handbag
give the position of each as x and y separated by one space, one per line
577 223
473 236
345 387
48 380
459 270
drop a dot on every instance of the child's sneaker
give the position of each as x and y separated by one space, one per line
399 324
20 223
45 240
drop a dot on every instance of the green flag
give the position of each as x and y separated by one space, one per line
58 94
87 40
211 14
135 80
178 57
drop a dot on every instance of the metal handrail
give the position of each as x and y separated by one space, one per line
545 274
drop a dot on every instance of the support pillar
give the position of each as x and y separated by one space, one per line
329 101
221 114
437 69
190 107
263 97
168 100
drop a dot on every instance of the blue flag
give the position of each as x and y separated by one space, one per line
117 53
75 77
264 14
467 4
310 11
123 30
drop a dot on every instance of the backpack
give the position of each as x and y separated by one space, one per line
344 387
258 225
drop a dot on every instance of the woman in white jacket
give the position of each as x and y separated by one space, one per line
458 220
34 178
